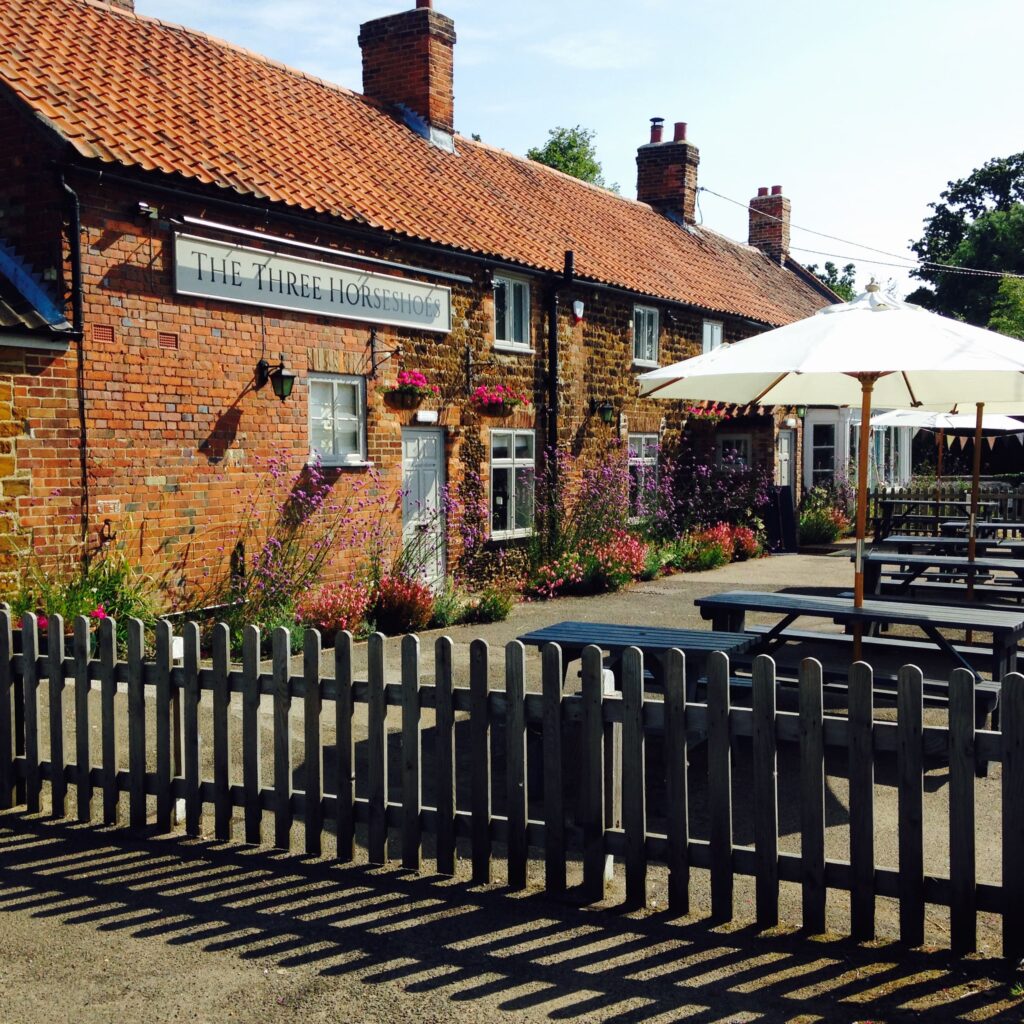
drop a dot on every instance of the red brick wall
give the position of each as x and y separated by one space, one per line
769 222
408 59
667 177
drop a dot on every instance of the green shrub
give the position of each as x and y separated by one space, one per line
821 526
494 604
451 606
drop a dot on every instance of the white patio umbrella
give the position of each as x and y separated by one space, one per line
875 347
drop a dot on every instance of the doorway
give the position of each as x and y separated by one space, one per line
423 532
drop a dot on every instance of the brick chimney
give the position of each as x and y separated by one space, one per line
125 5
666 173
769 223
407 59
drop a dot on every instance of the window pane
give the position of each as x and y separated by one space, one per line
345 399
321 418
519 293
322 439
524 446
346 437
650 449
500 310
501 494
524 498
501 446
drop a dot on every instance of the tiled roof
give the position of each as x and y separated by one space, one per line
143 93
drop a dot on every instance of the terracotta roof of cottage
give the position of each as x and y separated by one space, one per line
132 90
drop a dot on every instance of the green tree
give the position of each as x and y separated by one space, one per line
1008 308
571 150
842 282
978 222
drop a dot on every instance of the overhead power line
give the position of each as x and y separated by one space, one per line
907 264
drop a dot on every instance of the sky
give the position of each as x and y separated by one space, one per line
862 112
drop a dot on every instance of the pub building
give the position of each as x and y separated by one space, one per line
209 260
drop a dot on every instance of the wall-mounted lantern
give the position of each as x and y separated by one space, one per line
577 311
281 380
603 409
801 411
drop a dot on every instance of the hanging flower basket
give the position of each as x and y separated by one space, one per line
409 390
497 400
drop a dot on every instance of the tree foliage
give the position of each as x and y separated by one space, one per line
1008 308
842 282
978 222
571 150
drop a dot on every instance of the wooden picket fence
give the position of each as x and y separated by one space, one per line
578 825
1003 502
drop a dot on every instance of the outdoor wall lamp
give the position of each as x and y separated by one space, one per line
801 411
281 380
603 409
577 310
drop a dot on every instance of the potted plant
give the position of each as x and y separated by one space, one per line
409 389
497 399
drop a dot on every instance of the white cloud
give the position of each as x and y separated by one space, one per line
601 50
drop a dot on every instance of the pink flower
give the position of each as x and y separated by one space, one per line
99 612
42 621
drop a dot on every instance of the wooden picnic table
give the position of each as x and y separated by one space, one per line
728 612
654 641
897 512
954 571
988 527
911 543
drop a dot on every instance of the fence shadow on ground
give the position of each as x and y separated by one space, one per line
431 935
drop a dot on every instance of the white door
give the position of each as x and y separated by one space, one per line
423 534
787 459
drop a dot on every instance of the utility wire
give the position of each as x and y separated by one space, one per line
908 264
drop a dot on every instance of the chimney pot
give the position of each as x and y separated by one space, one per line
776 190
768 228
666 176
763 191
425 3
680 132
657 127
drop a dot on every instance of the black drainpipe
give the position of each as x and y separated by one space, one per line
78 334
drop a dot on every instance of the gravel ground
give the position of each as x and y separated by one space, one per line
98 926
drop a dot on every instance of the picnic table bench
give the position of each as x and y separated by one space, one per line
728 612
948 545
654 641
945 572
985 527
909 512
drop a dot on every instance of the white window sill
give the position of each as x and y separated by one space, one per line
513 350
645 364
511 534
341 464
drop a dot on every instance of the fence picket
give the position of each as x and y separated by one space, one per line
162 708
554 803
190 731
281 644
812 796
634 806
910 770
676 794
444 727
720 787
6 708
312 708
377 752
252 744
221 749
30 652
1012 723
963 911
480 758
591 809
515 763
136 726
108 735
412 750
345 760
766 809
861 763
55 677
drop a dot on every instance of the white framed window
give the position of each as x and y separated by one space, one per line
513 472
511 312
645 336
823 453
643 473
712 335
733 449
337 419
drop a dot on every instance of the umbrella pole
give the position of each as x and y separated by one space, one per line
972 522
867 384
940 441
